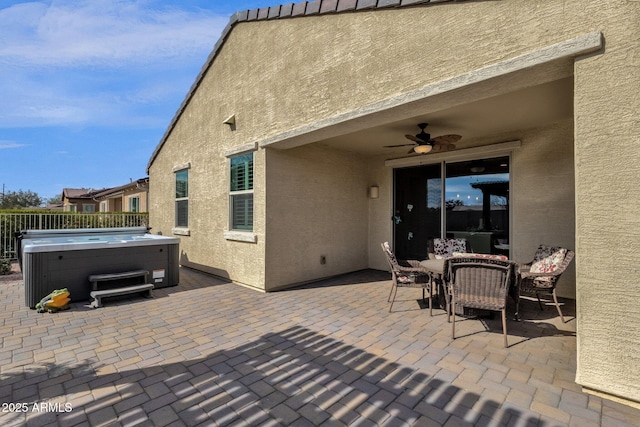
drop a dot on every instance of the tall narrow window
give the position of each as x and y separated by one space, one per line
182 198
241 192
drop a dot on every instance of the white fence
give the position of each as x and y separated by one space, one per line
10 223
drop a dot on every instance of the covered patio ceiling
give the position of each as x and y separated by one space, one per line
486 121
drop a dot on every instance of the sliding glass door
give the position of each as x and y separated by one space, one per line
465 199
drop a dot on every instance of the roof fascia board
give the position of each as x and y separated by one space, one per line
581 45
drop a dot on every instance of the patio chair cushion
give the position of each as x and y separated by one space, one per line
404 279
547 259
544 282
446 247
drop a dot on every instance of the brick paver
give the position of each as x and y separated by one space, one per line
209 352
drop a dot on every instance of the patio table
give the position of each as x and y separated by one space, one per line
436 267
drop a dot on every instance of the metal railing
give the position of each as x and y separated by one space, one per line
12 222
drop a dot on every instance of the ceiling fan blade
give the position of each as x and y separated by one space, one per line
400 145
412 151
414 139
447 139
439 148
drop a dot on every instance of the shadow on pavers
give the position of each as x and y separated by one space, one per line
293 377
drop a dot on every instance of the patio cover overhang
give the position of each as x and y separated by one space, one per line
481 93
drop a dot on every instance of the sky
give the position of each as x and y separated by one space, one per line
88 88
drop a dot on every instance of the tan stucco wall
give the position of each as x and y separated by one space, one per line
543 198
380 212
281 74
205 247
338 58
607 102
316 207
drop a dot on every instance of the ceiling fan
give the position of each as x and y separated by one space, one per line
423 143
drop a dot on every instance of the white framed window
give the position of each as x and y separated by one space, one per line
104 206
241 193
182 198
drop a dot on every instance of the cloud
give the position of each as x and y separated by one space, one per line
100 62
10 144
103 32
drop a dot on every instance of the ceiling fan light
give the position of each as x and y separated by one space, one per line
422 149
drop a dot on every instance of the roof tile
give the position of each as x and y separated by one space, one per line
286 10
346 5
299 8
274 12
328 6
388 3
252 15
239 16
263 13
313 7
366 4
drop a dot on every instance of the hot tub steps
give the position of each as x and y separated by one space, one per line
97 294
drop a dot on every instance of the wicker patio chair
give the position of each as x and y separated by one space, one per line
479 283
405 274
442 249
541 275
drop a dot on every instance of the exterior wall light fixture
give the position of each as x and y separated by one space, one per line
374 192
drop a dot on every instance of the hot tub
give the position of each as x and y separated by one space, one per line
55 259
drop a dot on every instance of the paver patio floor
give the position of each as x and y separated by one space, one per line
209 352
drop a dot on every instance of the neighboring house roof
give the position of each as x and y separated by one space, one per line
286 11
141 184
79 193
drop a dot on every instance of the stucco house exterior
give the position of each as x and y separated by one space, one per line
131 197
79 200
278 167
